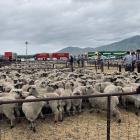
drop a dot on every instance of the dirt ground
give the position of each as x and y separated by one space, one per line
86 126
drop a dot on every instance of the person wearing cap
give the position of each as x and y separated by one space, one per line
138 60
127 60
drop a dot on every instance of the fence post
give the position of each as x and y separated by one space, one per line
102 67
71 67
108 116
120 68
96 66
117 66
53 66
108 64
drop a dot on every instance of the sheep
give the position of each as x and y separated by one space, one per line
109 78
101 103
135 99
56 83
8 109
55 105
101 86
67 92
32 111
77 103
113 89
8 86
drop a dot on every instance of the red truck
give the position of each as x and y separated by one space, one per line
10 55
60 55
42 56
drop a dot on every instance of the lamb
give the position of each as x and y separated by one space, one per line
32 111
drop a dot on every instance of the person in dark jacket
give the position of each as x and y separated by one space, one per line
78 60
82 60
71 60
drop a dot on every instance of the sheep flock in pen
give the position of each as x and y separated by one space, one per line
33 83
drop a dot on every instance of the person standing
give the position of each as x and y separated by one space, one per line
127 60
71 62
82 60
138 60
78 60
133 61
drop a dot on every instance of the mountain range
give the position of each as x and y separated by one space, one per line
131 43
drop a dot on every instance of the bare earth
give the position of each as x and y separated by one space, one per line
86 126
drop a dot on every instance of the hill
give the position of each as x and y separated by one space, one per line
76 50
131 43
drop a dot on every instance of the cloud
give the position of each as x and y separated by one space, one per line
50 25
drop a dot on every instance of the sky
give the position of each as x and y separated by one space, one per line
50 25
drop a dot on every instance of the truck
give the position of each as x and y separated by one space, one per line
62 56
10 55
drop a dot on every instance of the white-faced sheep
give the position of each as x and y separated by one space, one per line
55 105
101 102
67 92
32 110
8 109
77 103
135 99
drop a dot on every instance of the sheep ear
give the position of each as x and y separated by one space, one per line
56 87
72 83
28 89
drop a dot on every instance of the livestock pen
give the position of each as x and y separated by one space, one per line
109 65
86 126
